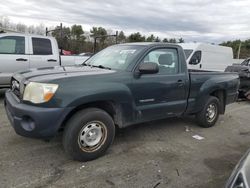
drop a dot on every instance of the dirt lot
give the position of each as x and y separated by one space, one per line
156 154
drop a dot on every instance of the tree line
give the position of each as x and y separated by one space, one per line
78 40
239 46
74 38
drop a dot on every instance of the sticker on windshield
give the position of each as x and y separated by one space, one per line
127 51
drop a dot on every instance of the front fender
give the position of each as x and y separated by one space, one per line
112 92
116 93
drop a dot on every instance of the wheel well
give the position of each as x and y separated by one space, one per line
221 95
108 106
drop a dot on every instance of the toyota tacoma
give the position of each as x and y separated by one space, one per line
122 85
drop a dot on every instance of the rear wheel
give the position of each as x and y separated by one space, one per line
88 134
209 114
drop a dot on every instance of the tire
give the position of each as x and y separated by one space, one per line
88 134
206 118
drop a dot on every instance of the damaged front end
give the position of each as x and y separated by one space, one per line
244 74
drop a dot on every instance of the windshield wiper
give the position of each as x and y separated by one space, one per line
85 64
101 66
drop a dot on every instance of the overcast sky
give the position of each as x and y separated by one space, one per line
193 20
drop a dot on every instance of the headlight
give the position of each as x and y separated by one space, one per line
39 92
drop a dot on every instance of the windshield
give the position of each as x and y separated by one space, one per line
188 53
245 62
115 57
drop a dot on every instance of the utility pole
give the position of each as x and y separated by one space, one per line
47 31
104 36
95 44
238 55
116 37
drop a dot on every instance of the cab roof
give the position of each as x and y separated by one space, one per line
23 35
149 44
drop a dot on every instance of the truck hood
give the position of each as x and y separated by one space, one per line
242 70
52 73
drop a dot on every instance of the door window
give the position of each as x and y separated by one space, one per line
12 45
167 60
41 46
196 58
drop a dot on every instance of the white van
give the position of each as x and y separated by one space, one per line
208 57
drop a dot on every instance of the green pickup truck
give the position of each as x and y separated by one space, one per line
122 85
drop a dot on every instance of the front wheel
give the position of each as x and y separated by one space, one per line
88 134
209 114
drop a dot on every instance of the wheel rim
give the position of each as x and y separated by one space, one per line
211 112
92 136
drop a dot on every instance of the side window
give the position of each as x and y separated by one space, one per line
196 58
167 60
41 46
12 45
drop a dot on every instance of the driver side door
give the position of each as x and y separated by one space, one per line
162 94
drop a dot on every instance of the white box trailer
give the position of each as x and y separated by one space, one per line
208 57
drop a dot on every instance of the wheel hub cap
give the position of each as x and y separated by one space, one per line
211 112
91 135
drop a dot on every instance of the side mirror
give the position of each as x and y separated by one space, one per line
148 68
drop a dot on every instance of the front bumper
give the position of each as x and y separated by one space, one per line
32 121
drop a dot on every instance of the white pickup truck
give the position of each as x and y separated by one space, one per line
21 51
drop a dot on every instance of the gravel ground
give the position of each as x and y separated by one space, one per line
156 154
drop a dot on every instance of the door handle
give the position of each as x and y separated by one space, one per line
52 60
180 83
21 59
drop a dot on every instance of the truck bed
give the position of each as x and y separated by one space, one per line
201 80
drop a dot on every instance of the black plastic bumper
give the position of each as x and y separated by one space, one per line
31 121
